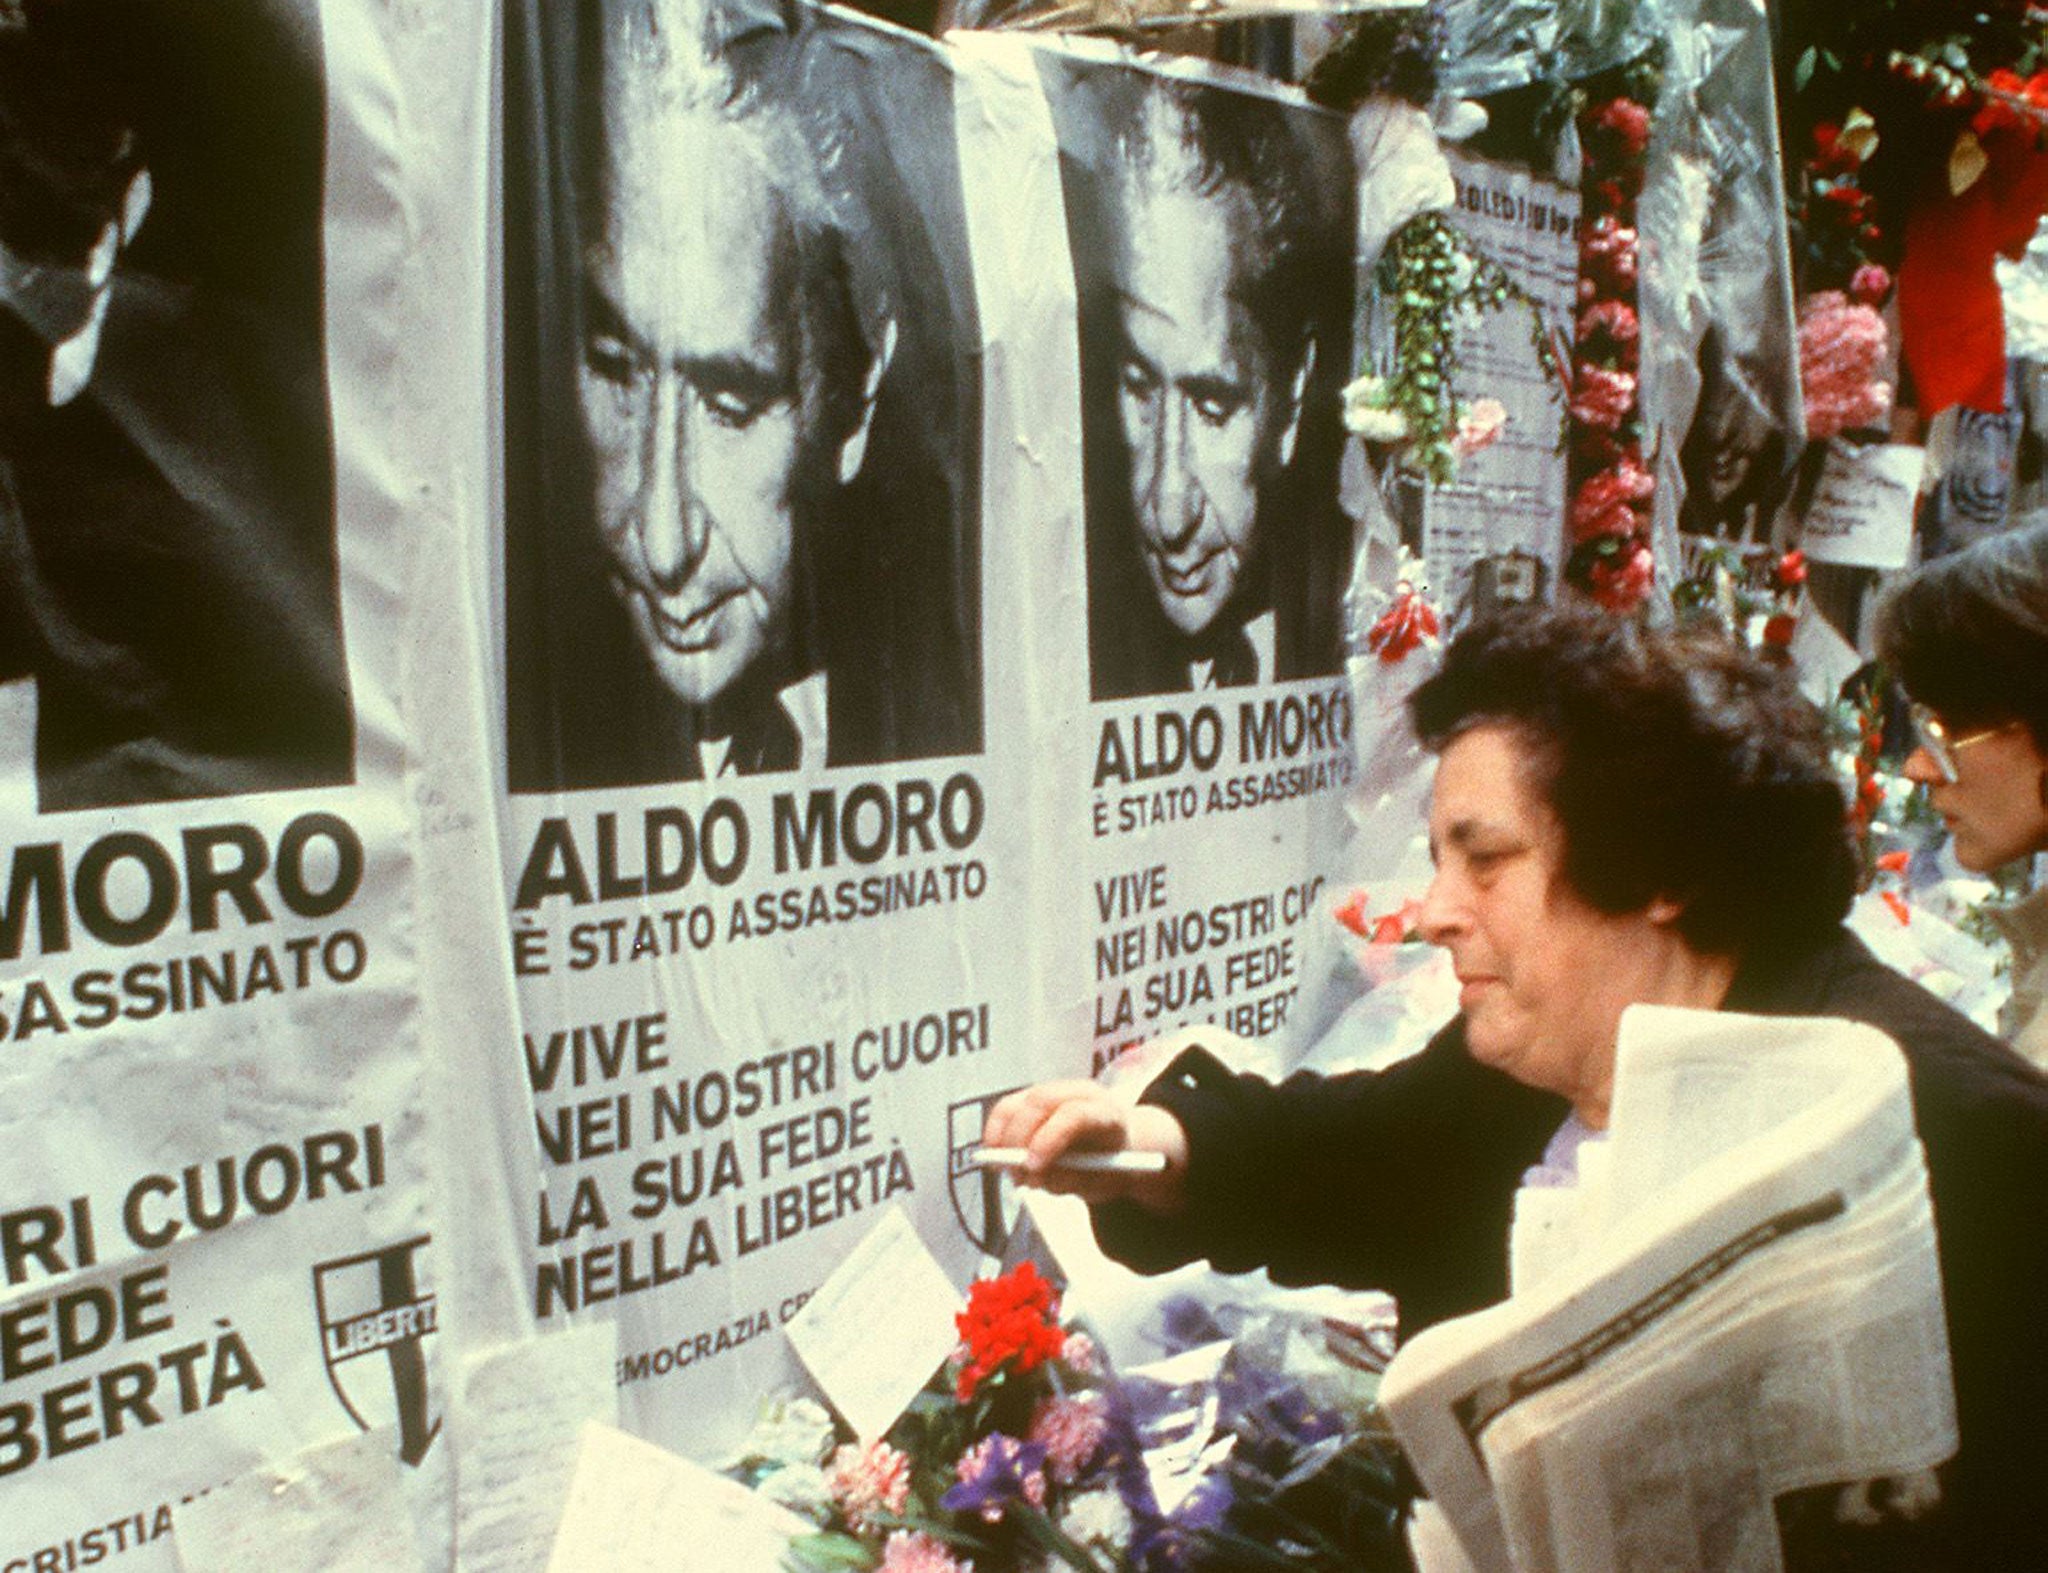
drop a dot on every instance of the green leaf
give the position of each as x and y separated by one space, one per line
830 1551
1803 72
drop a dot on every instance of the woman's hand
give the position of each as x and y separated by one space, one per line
1056 1118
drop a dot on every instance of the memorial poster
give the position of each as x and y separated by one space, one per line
765 882
218 1243
1211 231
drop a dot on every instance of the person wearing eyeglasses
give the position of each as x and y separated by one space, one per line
1967 637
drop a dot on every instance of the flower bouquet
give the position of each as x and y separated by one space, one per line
1290 1464
1015 1456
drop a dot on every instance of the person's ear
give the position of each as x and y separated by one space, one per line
854 451
1297 395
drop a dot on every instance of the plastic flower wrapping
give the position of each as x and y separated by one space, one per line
1263 1439
1240 1432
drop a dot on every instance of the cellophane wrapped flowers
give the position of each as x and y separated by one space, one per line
1017 1455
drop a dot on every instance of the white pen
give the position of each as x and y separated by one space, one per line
1131 1162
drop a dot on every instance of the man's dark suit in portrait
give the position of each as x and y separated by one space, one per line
168 569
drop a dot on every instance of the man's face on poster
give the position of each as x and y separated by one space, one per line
1204 411
691 390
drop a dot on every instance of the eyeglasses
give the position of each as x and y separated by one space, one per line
1941 745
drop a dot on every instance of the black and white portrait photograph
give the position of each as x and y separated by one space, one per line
741 526
170 623
1211 231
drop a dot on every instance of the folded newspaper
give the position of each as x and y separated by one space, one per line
1738 1299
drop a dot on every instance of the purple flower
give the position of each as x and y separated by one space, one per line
995 1472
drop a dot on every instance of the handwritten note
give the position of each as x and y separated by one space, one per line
338 1505
635 1508
1862 510
874 1331
523 1410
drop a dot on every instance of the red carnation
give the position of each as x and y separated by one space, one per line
1625 123
1351 913
1012 1320
1602 397
1607 255
1854 201
1830 155
1608 503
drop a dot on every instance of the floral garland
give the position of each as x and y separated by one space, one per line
1432 274
1611 489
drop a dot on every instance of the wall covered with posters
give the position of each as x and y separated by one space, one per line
612 618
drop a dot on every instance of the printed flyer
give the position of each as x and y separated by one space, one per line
218 1246
765 883
1211 228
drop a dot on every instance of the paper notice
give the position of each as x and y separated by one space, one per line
334 1506
524 1407
635 1508
878 1327
1862 511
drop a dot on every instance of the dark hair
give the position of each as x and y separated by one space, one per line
1968 634
1681 765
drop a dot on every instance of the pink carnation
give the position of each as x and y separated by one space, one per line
913 1551
1601 396
868 1481
1079 1351
1479 424
1841 346
1870 285
1071 1432
1607 255
1622 583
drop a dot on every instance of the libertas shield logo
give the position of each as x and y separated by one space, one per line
372 1305
984 1200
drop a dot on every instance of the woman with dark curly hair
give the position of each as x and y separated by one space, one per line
1619 816
1967 636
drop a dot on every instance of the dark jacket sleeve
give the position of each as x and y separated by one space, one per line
1401 1180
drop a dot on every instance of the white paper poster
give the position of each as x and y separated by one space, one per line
218 1245
1507 499
1210 226
766 877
